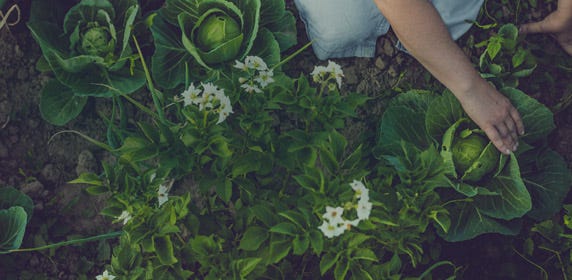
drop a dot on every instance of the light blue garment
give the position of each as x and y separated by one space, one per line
347 28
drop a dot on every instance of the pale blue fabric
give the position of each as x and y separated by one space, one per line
348 28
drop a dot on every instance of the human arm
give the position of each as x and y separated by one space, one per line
558 23
421 30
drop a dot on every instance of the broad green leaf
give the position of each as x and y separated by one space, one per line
266 47
399 124
246 266
13 223
512 199
59 104
300 244
171 60
286 228
364 254
537 118
468 222
10 196
284 30
341 269
224 190
279 249
317 241
164 250
548 179
253 238
443 112
327 262
265 214
295 217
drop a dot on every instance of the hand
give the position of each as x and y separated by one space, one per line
558 23
495 115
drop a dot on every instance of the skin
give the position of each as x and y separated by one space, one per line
558 23
421 30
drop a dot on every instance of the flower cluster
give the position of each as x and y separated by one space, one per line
259 75
323 74
334 224
210 98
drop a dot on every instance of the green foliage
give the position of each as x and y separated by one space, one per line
483 190
87 48
16 211
506 59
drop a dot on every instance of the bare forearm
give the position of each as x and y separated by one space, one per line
421 30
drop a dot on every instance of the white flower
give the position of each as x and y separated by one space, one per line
105 276
336 70
362 193
242 80
349 224
255 62
191 95
264 78
224 109
210 89
363 209
250 88
334 215
163 194
331 230
318 73
124 217
240 66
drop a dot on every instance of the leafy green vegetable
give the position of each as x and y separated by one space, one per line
483 190
16 210
192 36
87 49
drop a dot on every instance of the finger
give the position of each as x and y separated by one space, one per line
511 126
507 138
542 26
517 120
496 139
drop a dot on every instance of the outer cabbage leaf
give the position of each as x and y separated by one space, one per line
442 113
511 198
10 196
468 222
13 223
58 103
548 180
400 123
538 119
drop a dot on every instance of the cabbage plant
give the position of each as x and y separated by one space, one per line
483 190
199 37
86 47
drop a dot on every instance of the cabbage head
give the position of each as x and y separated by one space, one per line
482 190
86 46
204 37
472 154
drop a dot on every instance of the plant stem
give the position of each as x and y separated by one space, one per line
70 242
282 62
156 100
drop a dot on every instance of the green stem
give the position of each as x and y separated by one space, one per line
150 84
70 242
282 62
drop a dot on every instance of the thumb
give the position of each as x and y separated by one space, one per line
543 26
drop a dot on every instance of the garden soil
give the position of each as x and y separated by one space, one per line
39 159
